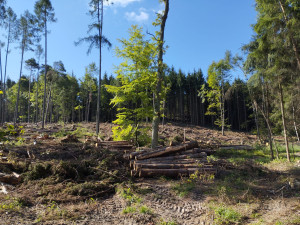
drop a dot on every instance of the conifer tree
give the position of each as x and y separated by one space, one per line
27 30
97 40
45 14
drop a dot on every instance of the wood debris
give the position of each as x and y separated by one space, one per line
172 161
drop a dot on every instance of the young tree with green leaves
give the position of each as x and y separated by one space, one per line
218 74
160 21
45 14
96 12
137 78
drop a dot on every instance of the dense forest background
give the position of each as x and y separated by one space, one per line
265 101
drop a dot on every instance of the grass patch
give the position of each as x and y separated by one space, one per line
145 210
163 222
129 209
182 189
226 215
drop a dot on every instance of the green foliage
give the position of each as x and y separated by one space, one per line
129 209
11 132
137 77
215 93
184 188
145 210
13 204
226 215
129 196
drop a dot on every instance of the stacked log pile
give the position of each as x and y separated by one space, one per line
173 161
116 145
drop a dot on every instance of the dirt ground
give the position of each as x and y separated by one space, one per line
80 183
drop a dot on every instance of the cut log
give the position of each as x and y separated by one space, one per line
173 172
168 150
236 147
10 178
172 166
188 156
199 150
133 154
177 161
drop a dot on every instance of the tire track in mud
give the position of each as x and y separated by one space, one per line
170 207
163 204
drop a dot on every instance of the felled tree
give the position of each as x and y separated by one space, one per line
137 78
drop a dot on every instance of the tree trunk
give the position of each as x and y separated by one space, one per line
173 172
47 107
294 121
284 123
45 80
100 22
156 99
28 109
169 150
1 95
18 95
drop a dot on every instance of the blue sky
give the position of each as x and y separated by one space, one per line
197 31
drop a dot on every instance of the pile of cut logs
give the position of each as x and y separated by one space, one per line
173 161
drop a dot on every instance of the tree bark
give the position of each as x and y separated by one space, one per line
156 100
173 172
100 22
284 122
169 150
18 95
45 79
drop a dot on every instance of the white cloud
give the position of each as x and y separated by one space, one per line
122 3
141 17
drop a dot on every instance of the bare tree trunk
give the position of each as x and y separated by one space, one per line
284 123
294 119
28 109
156 99
100 22
18 95
47 107
1 95
45 80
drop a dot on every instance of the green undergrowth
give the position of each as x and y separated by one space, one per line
80 132
133 200
187 185
225 215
